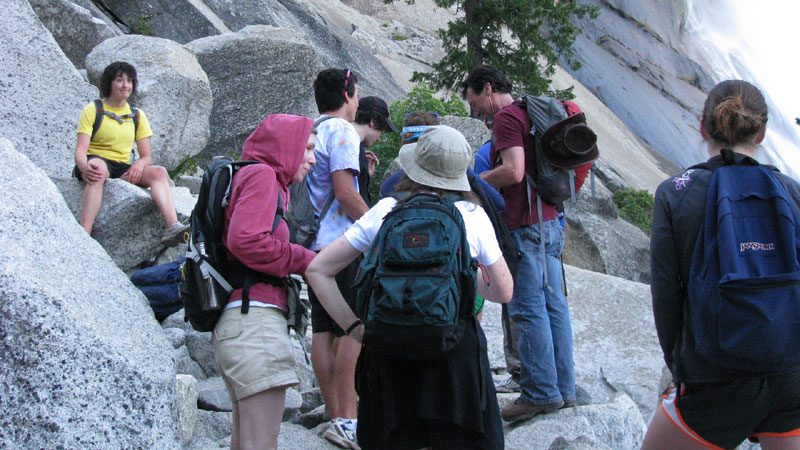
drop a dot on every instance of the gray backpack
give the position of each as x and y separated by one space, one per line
303 225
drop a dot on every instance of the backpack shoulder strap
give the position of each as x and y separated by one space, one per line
98 117
135 112
321 119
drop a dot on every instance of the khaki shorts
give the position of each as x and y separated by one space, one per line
253 351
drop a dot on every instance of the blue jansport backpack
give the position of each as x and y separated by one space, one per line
744 286
416 285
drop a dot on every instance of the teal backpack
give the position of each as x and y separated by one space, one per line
416 285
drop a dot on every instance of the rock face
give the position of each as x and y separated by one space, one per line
637 71
625 161
254 73
616 347
128 226
177 20
41 94
614 425
74 27
70 375
173 91
597 239
327 28
472 129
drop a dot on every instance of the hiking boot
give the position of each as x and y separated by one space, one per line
340 436
524 410
173 235
508 386
570 404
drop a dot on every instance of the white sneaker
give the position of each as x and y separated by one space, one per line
338 435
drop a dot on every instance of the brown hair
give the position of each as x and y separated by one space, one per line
735 112
406 184
420 118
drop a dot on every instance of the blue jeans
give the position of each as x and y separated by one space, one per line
547 373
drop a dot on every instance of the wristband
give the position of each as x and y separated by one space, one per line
352 327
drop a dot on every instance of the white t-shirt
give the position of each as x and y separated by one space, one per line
483 244
337 145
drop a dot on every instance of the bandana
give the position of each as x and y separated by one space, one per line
412 133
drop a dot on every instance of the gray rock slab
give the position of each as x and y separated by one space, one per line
128 226
184 364
85 363
668 86
616 349
212 395
175 336
238 64
173 91
293 405
38 126
74 27
199 346
186 390
472 129
175 320
188 181
597 239
177 20
327 28
210 429
614 425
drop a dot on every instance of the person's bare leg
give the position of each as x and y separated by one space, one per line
260 418
322 358
663 435
780 443
235 426
155 177
344 374
92 198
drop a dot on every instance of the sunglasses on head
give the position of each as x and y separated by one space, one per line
428 112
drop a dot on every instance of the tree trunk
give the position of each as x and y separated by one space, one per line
475 34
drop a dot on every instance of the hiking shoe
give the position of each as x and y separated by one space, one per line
524 410
173 235
570 404
508 386
340 436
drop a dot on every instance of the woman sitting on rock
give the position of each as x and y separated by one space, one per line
728 386
253 350
105 152
448 401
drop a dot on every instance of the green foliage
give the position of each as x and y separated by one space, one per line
636 206
421 98
141 25
398 37
187 165
522 38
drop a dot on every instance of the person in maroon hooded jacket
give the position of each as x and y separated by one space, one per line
253 350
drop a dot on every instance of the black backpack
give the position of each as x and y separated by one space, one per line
209 275
508 246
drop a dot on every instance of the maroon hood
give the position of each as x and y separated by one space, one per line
279 141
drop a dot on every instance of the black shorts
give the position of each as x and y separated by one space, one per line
115 168
725 414
321 321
